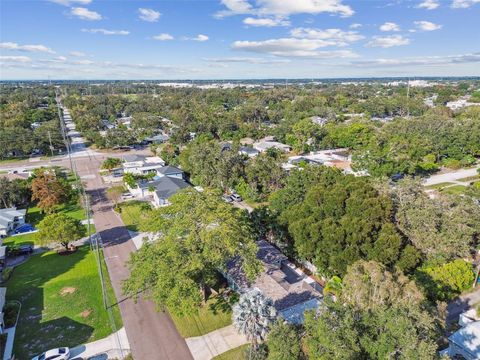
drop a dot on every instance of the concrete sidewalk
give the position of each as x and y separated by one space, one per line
115 346
215 343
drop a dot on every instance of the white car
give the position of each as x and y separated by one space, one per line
62 353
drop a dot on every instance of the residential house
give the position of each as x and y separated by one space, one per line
291 291
168 181
319 120
465 342
339 158
142 165
157 139
249 151
10 219
264 145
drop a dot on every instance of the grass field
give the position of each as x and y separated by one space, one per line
438 186
454 190
131 212
234 354
214 315
61 302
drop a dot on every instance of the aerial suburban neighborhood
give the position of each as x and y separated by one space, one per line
239 180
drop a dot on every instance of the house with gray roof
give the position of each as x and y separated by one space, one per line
291 291
10 219
165 188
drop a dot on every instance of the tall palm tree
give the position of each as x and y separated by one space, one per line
253 315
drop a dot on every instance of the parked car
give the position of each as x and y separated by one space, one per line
227 198
19 250
24 229
62 353
236 197
126 196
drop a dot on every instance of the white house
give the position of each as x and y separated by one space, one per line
465 342
339 158
264 145
10 219
142 165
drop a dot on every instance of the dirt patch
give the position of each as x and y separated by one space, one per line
67 290
85 313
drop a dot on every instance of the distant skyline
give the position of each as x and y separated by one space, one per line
238 39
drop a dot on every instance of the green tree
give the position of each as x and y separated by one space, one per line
442 228
59 228
444 282
379 315
111 163
197 234
284 342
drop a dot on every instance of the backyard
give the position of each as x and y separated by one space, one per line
61 302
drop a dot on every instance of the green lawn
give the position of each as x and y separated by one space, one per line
234 354
61 302
438 186
131 212
470 178
214 315
454 190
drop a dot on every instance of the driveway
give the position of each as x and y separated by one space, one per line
462 304
215 343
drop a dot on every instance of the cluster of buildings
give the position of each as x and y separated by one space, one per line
460 103
156 182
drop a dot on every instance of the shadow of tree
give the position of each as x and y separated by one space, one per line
34 333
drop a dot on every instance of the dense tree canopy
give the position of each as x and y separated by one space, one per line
196 235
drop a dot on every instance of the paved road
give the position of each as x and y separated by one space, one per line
151 334
450 176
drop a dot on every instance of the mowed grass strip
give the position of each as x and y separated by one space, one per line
131 213
215 314
61 300
237 353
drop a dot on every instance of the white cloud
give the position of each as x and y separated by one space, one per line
284 8
82 62
149 15
249 60
15 59
77 53
417 61
85 14
339 37
268 22
427 25
388 41
428 4
355 26
27 48
389 26
106 32
199 37
163 37
463 4
292 47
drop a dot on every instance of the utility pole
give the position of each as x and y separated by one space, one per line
50 139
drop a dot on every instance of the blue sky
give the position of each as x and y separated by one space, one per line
215 39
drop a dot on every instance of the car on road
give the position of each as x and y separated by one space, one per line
62 353
227 198
236 197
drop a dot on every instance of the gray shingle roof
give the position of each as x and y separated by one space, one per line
166 186
132 158
169 170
